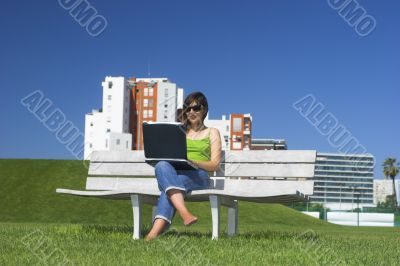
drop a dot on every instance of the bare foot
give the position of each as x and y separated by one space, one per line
159 227
189 220
150 237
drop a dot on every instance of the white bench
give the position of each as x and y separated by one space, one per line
286 177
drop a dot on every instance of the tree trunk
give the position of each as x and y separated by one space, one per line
394 193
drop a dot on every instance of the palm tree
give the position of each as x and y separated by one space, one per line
390 170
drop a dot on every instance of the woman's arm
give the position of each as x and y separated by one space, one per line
215 142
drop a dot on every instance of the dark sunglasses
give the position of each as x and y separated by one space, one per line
195 108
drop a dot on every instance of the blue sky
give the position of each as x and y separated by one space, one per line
255 57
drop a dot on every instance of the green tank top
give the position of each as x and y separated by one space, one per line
199 149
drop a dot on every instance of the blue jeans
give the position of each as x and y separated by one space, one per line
184 180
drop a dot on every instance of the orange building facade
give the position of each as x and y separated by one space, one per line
240 132
143 108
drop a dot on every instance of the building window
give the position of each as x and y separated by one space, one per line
90 145
150 113
109 97
165 114
118 141
108 130
247 125
166 93
146 92
108 119
109 108
227 128
127 142
106 143
110 84
237 145
237 125
150 102
91 124
145 113
165 105
151 91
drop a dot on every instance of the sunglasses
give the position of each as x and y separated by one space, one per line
195 108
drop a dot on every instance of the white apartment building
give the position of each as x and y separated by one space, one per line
223 125
343 180
383 188
117 126
169 99
108 128
179 103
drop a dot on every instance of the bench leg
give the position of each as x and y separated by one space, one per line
154 212
215 203
233 218
137 215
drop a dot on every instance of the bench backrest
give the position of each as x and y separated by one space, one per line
113 170
291 164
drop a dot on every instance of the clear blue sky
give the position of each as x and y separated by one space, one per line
253 57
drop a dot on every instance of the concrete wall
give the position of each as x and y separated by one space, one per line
365 219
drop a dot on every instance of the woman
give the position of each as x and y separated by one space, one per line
203 149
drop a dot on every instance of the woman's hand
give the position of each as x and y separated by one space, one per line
193 162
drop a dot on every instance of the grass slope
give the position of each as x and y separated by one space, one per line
38 226
27 193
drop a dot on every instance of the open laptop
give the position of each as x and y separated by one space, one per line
166 141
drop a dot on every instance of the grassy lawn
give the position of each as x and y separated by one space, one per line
79 244
37 226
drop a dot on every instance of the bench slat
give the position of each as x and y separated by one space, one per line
265 156
121 169
229 170
244 188
200 195
115 183
117 156
268 170
270 156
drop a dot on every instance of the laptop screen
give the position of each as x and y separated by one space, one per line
164 140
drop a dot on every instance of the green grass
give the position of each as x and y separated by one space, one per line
38 226
22 244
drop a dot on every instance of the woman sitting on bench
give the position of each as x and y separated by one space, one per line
203 149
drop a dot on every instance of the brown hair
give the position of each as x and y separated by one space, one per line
199 98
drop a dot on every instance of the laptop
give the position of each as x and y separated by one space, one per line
166 141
